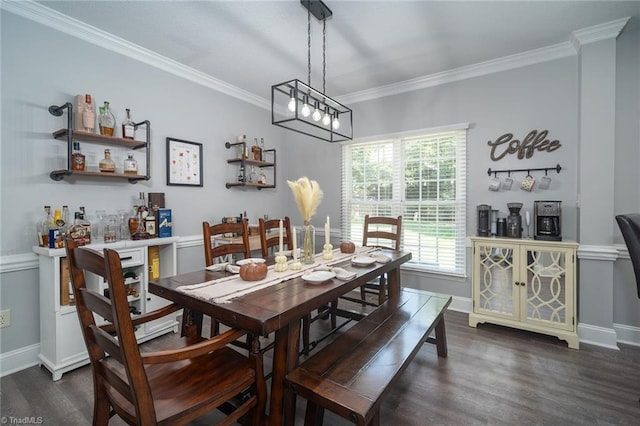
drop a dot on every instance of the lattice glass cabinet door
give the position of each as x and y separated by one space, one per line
495 271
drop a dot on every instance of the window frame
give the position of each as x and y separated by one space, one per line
397 203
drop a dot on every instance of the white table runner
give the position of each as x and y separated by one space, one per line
223 290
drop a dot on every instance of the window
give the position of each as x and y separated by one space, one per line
419 175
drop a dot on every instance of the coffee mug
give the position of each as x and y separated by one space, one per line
507 184
494 184
527 183
545 182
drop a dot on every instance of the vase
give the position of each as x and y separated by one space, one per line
308 243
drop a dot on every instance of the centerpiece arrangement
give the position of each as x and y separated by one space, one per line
308 196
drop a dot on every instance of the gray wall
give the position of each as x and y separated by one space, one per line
41 66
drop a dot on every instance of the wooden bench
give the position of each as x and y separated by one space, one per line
352 375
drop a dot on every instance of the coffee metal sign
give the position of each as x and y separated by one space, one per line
534 141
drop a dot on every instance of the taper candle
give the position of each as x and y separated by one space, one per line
294 237
281 236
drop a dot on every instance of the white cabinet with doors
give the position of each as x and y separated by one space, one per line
62 346
526 284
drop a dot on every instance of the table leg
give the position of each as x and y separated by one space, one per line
393 283
282 405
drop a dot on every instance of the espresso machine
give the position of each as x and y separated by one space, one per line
514 220
546 220
484 220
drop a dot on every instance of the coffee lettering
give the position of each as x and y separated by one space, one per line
533 141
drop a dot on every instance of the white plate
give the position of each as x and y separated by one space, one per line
250 260
318 277
363 260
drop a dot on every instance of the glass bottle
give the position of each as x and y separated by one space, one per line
86 224
100 114
42 227
256 150
88 115
55 231
262 177
77 158
107 165
128 126
130 165
253 176
308 243
66 219
107 121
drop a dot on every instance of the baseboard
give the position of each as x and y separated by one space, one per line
461 304
599 336
19 359
627 334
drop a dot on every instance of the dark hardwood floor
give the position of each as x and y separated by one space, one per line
493 376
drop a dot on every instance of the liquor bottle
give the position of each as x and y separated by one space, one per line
107 165
86 224
107 121
253 176
128 126
78 232
256 150
65 219
88 115
55 230
77 158
42 227
142 213
262 177
130 165
100 119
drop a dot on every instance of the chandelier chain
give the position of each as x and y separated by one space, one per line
309 48
324 55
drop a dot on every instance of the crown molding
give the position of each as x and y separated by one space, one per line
599 32
505 63
48 17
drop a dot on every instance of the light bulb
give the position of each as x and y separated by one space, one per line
326 119
316 114
292 101
305 110
335 123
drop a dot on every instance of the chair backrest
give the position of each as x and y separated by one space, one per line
121 374
388 229
214 234
272 239
630 227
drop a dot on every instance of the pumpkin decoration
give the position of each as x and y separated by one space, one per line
347 247
253 271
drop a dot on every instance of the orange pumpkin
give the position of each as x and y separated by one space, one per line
347 247
253 271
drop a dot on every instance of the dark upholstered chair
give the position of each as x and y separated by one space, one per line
630 227
167 387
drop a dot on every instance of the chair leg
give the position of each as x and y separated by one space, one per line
363 295
333 308
101 410
306 325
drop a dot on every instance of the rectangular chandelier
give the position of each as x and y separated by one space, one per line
299 107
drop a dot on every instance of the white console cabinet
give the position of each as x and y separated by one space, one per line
526 284
62 346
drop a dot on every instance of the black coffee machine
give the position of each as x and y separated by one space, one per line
514 220
546 220
484 220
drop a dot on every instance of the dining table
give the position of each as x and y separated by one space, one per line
278 308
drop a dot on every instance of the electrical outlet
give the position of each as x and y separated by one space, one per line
5 318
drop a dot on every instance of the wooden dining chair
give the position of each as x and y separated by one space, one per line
270 235
167 387
214 248
382 232
214 234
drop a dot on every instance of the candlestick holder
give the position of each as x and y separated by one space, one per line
295 265
327 252
281 263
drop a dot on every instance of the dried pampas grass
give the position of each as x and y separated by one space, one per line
308 196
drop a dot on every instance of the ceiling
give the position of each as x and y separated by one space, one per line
255 44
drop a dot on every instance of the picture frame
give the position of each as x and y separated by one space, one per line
184 163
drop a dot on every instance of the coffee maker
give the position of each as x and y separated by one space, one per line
514 220
484 220
546 220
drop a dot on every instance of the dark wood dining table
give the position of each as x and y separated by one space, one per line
278 309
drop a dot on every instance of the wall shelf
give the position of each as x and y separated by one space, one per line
243 162
68 135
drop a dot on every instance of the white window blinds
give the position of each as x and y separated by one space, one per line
420 176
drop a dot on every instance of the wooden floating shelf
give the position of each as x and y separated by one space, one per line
99 139
61 174
253 185
247 161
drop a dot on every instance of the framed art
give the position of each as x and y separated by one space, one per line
184 162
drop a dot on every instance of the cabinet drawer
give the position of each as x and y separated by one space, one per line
131 257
